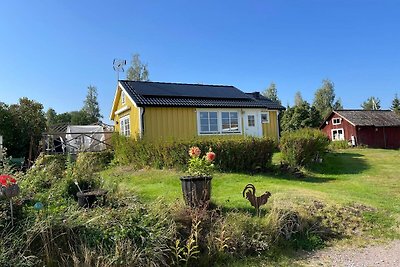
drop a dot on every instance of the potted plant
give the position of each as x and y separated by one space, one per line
196 186
8 189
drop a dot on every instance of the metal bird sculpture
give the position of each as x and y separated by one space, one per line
249 193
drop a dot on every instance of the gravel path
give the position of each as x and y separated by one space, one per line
375 255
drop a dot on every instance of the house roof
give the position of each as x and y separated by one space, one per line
194 95
378 118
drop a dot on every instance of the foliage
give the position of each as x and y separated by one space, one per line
302 147
272 93
343 144
234 155
22 126
138 71
300 116
298 99
372 103
200 166
91 105
51 117
396 105
324 99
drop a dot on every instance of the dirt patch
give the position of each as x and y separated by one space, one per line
376 255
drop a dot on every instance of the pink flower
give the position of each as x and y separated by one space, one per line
210 156
194 152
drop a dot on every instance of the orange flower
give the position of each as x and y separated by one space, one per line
194 152
210 156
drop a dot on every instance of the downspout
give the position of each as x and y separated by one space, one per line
277 124
141 122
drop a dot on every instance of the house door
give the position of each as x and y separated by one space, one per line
251 124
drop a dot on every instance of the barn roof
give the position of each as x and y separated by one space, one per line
194 95
378 118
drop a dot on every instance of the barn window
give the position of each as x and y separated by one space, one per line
124 123
337 134
336 121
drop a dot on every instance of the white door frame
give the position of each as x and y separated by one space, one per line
257 130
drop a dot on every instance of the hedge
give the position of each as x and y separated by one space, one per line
233 155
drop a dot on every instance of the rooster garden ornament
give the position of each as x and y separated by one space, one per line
249 193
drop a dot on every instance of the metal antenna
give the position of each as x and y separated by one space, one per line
118 65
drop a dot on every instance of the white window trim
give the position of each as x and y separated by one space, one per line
219 122
123 109
333 121
123 97
338 134
268 119
122 123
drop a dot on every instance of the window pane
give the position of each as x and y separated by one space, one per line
250 120
225 115
213 127
203 115
234 115
213 115
204 128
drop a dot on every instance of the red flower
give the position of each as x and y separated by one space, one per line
210 156
5 180
194 152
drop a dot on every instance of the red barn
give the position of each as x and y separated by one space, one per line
374 128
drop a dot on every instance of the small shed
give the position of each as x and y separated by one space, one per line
373 128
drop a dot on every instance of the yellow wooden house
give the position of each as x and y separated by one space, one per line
177 111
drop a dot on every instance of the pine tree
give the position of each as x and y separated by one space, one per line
396 105
372 103
298 99
91 106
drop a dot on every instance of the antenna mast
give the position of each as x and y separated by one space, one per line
118 66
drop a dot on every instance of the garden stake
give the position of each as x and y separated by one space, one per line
12 216
249 193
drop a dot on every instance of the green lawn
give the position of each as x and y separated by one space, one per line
366 176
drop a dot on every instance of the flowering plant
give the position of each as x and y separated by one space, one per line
8 186
7 180
200 166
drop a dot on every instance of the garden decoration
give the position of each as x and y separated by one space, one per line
196 187
87 198
9 189
249 193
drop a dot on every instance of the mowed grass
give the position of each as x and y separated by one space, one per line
365 176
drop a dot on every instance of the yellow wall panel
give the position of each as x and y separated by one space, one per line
271 129
170 123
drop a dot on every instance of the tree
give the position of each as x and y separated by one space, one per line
300 116
298 99
272 93
372 103
138 71
28 124
396 105
91 106
80 117
51 117
324 98
64 117
338 104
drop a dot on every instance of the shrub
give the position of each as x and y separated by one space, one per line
333 145
302 147
234 155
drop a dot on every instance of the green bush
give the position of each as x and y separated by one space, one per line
233 155
333 145
302 147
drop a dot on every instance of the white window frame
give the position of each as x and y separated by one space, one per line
123 129
123 98
336 123
339 138
261 115
219 122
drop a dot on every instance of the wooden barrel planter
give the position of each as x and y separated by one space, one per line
88 198
196 190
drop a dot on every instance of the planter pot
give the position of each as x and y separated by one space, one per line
87 198
9 191
196 190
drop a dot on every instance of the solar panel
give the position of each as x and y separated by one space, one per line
187 90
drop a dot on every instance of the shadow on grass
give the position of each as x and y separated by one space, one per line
341 163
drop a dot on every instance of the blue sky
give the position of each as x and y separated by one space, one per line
51 51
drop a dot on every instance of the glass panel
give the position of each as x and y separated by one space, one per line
234 115
250 120
213 115
225 116
213 127
204 128
264 118
203 115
